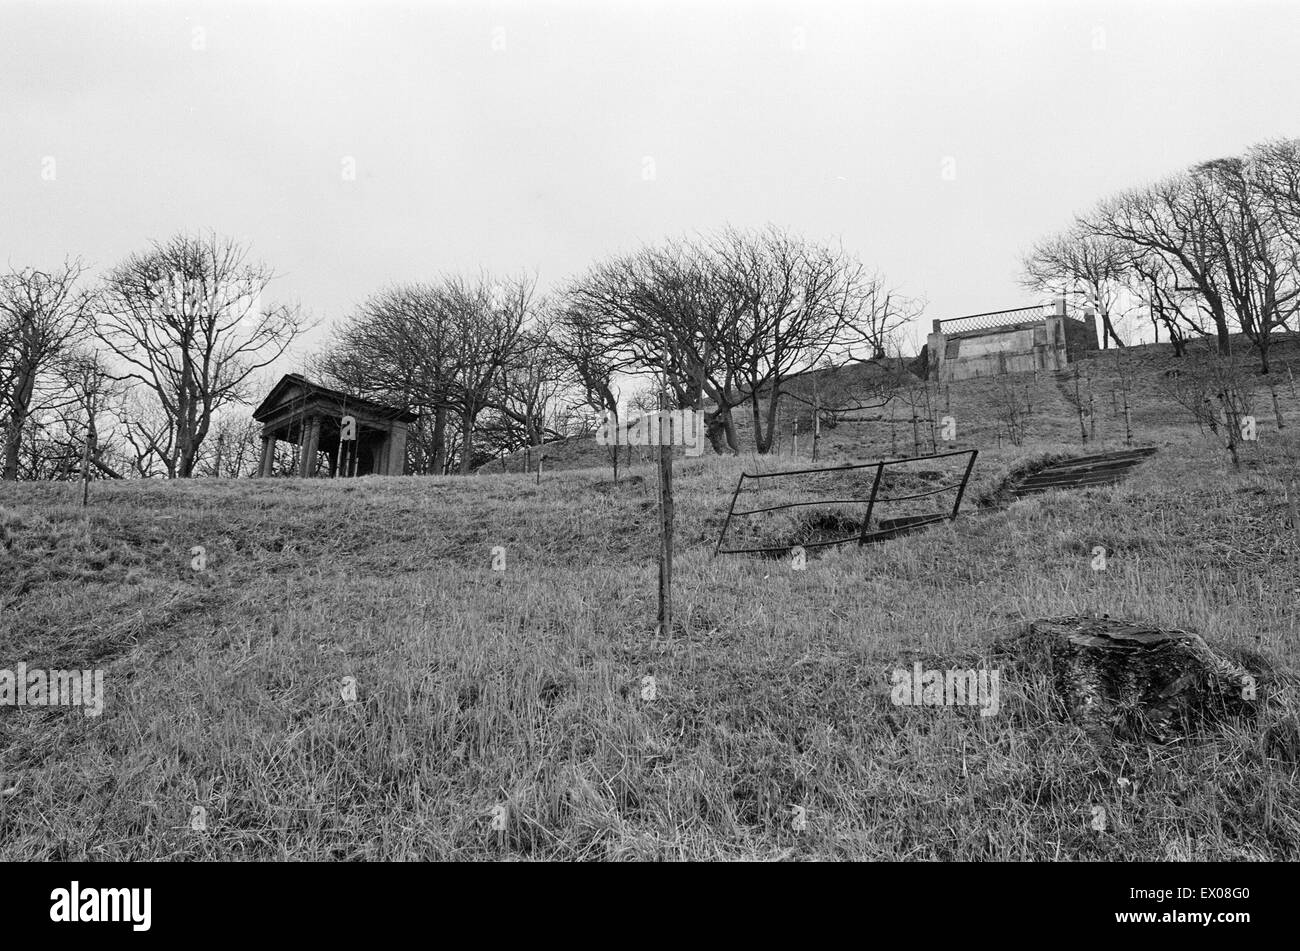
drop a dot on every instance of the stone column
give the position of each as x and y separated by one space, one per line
935 345
1056 336
381 451
268 456
397 450
310 443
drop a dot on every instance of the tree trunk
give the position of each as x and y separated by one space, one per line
1126 679
733 441
439 440
761 445
717 428
85 459
773 407
467 440
13 443
1108 331
185 467
1222 334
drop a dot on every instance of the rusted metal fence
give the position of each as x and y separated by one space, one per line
885 528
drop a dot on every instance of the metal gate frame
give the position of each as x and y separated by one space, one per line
863 537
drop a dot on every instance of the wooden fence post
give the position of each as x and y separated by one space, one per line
665 517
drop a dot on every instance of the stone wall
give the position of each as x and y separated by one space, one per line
1080 335
1047 344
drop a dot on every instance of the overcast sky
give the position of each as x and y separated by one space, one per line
545 135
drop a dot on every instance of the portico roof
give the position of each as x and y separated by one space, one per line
294 388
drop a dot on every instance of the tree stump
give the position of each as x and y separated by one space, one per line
1128 679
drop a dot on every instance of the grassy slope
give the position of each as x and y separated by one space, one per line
479 687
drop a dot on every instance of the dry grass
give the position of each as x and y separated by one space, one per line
523 687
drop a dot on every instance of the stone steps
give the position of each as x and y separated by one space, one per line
887 528
1105 468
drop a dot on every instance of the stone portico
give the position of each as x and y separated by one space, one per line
312 417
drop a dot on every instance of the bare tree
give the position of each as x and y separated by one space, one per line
728 319
150 434
881 315
1079 396
233 448
75 434
90 383
398 348
794 303
42 314
1227 231
1082 263
187 320
487 319
586 346
1012 407
1257 261
1277 184
1218 397
662 311
1155 284
1172 220
531 384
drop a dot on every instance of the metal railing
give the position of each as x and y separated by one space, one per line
887 528
993 319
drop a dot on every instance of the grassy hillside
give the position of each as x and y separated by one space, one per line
523 687
978 408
